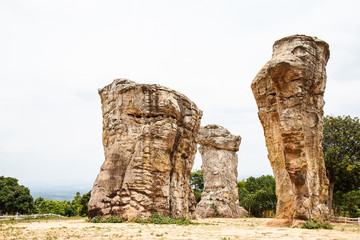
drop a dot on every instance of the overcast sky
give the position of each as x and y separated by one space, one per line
54 55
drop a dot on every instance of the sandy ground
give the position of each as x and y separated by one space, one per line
214 228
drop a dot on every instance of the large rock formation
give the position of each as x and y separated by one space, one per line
149 142
289 93
219 166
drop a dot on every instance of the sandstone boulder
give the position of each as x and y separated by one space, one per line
219 166
149 143
289 93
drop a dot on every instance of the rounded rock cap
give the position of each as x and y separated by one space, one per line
218 137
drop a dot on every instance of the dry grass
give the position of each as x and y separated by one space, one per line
212 228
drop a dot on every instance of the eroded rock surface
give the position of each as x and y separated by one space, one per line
289 93
219 166
149 143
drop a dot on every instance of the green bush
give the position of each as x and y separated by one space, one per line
214 207
352 202
157 218
316 224
98 219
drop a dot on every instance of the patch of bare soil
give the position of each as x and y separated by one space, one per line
211 228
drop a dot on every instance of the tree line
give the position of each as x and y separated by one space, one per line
16 199
341 147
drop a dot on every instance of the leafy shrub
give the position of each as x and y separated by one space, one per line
98 219
316 224
157 218
214 207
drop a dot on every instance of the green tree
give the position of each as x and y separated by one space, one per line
84 200
338 203
197 180
40 205
197 183
54 207
352 202
80 204
76 203
257 195
63 208
341 146
76 207
14 198
240 184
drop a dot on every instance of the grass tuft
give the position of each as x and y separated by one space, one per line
156 218
98 219
316 224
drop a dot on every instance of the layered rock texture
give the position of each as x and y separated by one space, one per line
289 93
149 143
219 166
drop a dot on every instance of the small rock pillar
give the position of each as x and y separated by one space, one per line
219 166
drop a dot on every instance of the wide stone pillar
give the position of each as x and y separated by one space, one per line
149 143
219 166
289 93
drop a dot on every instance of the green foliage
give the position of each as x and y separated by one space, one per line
341 146
352 202
84 200
240 184
40 206
76 207
63 208
80 204
157 218
14 198
316 224
197 183
257 195
75 203
197 194
214 207
197 180
98 219
338 203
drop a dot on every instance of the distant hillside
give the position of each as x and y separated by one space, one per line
58 190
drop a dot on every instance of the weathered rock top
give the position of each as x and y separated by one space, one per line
289 41
218 137
124 84
158 102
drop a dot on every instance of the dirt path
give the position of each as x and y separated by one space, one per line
214 228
